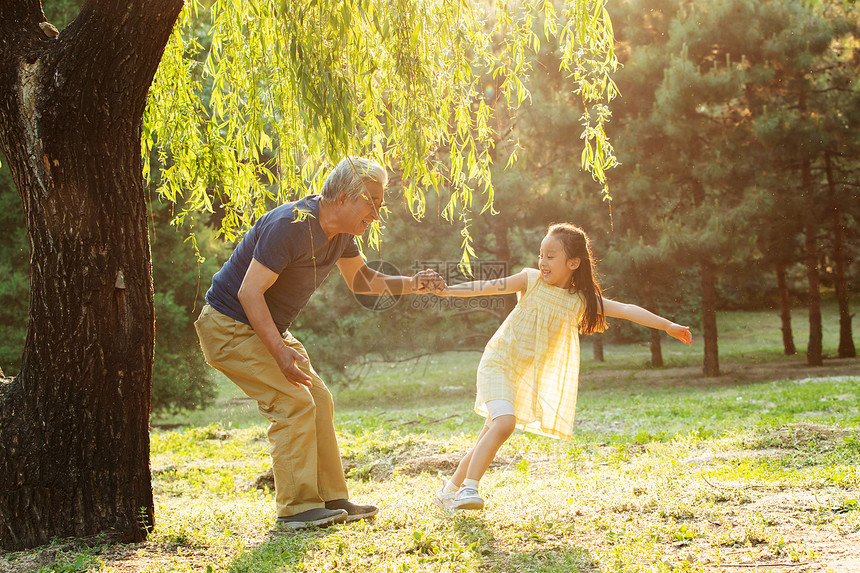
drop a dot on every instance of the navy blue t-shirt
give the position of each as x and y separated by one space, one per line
286 243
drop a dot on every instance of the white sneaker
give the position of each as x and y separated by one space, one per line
445 500
467 498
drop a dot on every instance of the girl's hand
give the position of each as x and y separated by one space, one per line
682 333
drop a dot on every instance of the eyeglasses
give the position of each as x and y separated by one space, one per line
377 207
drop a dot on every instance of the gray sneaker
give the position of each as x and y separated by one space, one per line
317 517
467 498
445 501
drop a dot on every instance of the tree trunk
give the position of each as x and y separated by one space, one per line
785 310
814 356
597 346
656 349
846 336
711 366
654 341
74 445
814 353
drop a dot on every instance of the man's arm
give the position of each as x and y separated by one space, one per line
257 281
362 279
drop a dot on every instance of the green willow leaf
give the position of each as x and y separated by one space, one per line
255 101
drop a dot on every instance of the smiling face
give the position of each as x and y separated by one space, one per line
366 207
555 267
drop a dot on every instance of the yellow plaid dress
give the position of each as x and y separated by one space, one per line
533 359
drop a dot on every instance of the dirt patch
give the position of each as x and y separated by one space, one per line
384 468
264 481
709 456
829 551
445 464
439 463
805 436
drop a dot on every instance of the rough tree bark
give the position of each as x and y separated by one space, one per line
74 439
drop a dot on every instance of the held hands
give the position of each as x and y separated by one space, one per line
287 359
682 333
446 291
428 280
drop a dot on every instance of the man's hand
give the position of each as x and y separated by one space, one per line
428 280
286 360
257 281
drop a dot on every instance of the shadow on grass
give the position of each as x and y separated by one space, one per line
474 533
279 551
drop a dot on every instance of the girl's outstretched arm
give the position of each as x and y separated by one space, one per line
505 285
641 316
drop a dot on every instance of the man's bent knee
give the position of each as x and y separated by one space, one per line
289 408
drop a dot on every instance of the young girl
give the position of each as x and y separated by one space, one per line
528 374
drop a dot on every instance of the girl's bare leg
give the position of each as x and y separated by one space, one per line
475 463
463 466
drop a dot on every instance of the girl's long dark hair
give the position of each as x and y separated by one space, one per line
577 245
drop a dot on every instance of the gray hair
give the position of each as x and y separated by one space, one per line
349 176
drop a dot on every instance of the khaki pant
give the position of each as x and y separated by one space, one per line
305 455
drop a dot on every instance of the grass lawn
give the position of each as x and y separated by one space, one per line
667 472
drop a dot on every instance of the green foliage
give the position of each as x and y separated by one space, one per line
254 100
724 101
182 267
61 12
179 374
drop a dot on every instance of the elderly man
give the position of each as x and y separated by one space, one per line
243 330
